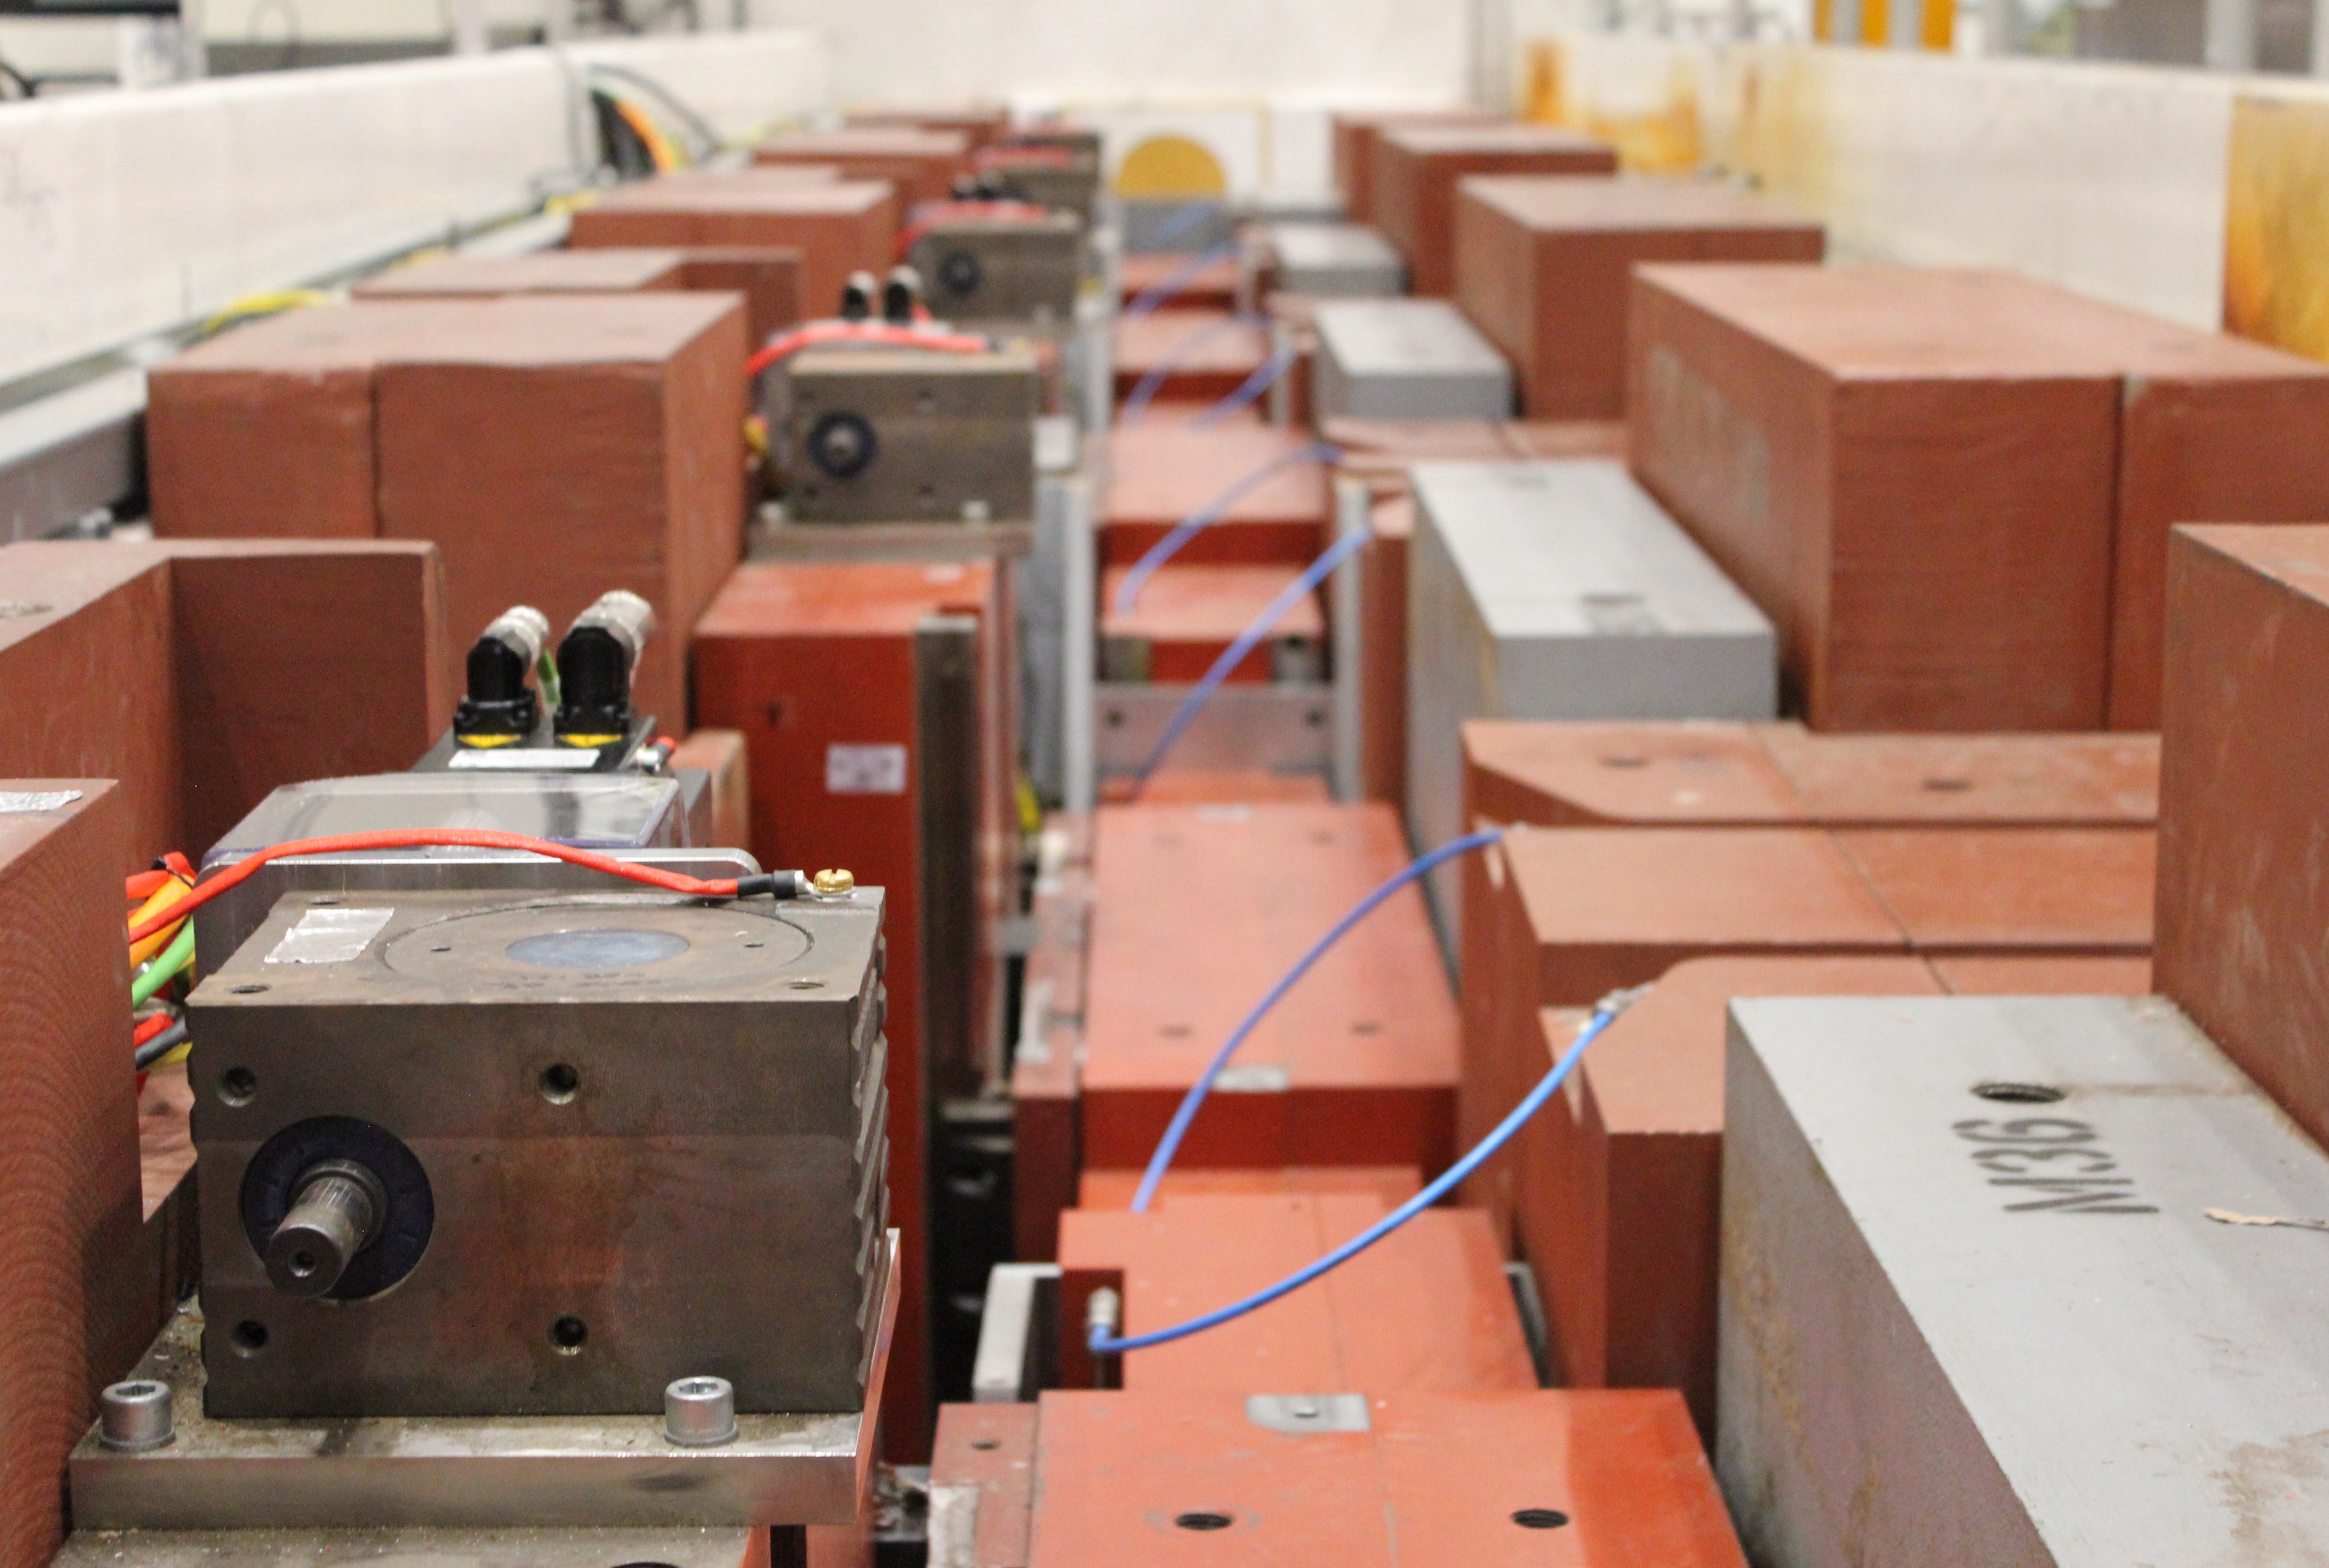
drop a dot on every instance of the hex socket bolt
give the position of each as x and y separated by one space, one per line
134 1416
338 1211
699 1412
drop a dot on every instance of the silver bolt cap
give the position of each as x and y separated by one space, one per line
135 1415
699 1412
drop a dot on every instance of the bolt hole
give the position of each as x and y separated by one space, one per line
250 1337
139 1390
239 1086
1174 1031
1205 1521
1950 786
441 948
323 903
1625 762
1366 1026
1539 1518
986 1445
807 985
568 1334
1114 719
756 944
558 1083
698 1388
303 1263
2019 1093
244 990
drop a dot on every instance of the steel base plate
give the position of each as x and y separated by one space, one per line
470 1473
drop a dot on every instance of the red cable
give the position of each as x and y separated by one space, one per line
422 837
143 885
822 332
149 1028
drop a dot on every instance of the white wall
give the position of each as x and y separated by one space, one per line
123 213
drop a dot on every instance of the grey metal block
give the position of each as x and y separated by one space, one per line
1974 1310
1275 729
1407 359
726 1547
612 1139
1559 590
883 435
1334 260
991 269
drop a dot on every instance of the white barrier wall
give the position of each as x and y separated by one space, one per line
2112 180
122 213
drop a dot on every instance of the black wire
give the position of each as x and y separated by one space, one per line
694 121
623 149
25 86
161 1045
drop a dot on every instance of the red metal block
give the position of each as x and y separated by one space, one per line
870 749
1618 1191
1437 1481
1542 267
1204 355
1372 1325
1210 288
1173 786
983 1486
2019 975
838 226
1114 1189
1354 148
2056 891
1198 911
921 161
981 125
1417 167
2242 905
1162 472
1186 616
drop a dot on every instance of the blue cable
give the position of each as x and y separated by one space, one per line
1152 381
1260 382
1103 1343
1205 516
1170 1143
1180 277
1203 692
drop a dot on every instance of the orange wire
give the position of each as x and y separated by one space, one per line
878 332
149 1028
423 837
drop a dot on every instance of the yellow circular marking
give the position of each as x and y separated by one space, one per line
1169 166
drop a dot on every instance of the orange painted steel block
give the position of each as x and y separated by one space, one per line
1543 267
983 1486
1709 773
1480 1479
1203 354
768 279
1198 911
1417 167
719 754
1213 286
1115 1189
869 696
1355 137
1951 489
1171 785
1383 650
982 124
838 226
2059 892
921 161
1161 472
1186 616
1428 1307
1616 1188
2241 904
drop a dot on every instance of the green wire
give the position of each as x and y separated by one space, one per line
157 974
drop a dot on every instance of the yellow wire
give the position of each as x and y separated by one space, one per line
273 302
659 148
171 1057
168 895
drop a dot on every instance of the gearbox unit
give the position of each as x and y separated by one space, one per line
982 268
472 1154
910 435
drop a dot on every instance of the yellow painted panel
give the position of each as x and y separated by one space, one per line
1937 24
2277 224
1169 166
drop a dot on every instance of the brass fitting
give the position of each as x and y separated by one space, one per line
832 882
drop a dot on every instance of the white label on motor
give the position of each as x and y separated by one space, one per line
527 759
330 936
864 769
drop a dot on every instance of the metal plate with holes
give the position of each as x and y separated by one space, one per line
986 269
1975 1308
639 1121
1278 729
1305 1413
726 1547
393 1472
880 435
